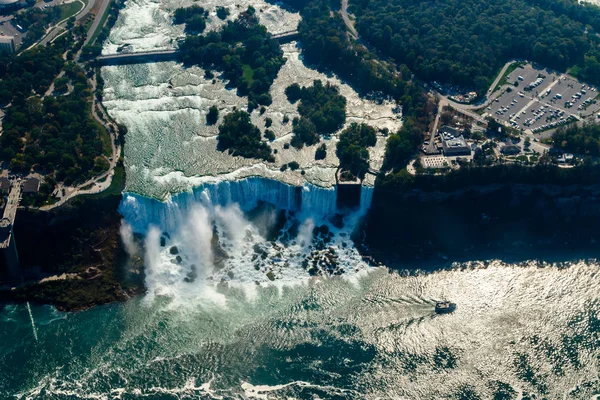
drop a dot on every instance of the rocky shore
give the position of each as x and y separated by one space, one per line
73 257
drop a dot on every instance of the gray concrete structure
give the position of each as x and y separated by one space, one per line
168 55
453 143
139 57
7 44
7 237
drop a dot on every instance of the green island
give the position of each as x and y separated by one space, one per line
249 58
193 17
322 111
240 137
352 149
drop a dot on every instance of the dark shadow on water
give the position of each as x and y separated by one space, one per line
508 224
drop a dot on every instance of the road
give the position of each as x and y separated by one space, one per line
430 149
141 56
54 31
97 20
349 23
102 182
500 75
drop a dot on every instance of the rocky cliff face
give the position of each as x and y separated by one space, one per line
535 221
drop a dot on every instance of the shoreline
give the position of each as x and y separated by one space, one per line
410 233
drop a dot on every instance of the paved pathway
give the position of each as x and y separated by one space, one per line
102 182
349 23
54 31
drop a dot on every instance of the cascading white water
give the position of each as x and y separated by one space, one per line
207 234
140 212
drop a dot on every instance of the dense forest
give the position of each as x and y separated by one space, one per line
467 41
583 140
322 111
352 149
327 47
56 135
244 51
32 71
240 137
52 134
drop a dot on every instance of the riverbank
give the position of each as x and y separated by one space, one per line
73 257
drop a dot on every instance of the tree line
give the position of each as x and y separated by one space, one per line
465 42
584 140
327 47
54 135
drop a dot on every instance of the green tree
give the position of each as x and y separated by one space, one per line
240 137
212 116
352 148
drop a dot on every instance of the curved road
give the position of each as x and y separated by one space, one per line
101 182
60 27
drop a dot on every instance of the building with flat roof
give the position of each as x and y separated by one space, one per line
31 185
510 150
456 146
453 143
7 44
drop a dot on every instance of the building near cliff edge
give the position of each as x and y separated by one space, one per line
31 185
7 43
453 143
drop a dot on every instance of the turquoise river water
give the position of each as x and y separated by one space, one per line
529 331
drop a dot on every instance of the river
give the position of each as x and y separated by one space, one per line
260 324
520 331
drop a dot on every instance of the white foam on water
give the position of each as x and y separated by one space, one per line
180 238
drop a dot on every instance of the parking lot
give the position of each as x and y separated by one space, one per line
543 100
7 29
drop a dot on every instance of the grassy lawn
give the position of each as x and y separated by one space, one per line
105 137
100 26
68 10
117 185
248 73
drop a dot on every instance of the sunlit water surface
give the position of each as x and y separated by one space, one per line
520 331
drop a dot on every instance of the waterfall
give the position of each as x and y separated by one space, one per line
215 233
140 212
366 197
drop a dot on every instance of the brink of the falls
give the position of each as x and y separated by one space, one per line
141 212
